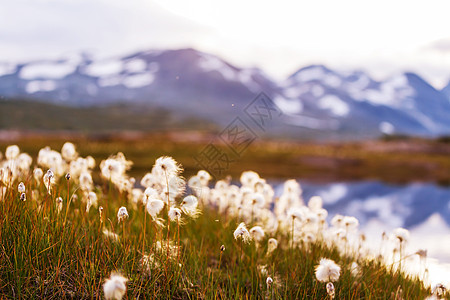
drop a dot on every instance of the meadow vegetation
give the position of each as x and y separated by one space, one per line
65 235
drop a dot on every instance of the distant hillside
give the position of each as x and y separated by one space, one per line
22 114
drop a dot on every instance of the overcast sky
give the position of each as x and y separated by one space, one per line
383 37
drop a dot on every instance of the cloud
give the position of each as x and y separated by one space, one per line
37 28
442 45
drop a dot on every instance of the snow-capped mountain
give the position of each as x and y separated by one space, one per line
313 99
183 80
402 104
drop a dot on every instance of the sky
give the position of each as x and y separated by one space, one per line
382 37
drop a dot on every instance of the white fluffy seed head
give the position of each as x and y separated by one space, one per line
37 174
189 206
190 202
291 186
327 271
272 245
439 290
166 166
21 188
203 177
350 223
401 234
355 269
154 207
175 214
12 152
330 289
249 178
242 233
115 287
122 214
315 203
337 221
257 233
68 152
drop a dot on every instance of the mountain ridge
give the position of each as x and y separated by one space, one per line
203 85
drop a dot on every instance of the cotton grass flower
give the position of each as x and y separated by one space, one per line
272 244
350 223
115 287
175 214
249 178
269 282
150 192
85 180
111 235
149 262
68 152
337 221
439 290
257 233
327 271
21 187
241 233
49 180
37 174
100 212
92 200
12 152
401 234
330 290
154 207
315 203
59 204
122 214
204 177
167 166
355 270
189 206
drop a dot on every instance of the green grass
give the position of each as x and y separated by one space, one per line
46 254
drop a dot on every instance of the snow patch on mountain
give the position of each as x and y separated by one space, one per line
245 76
211 63
138 80
104 68
296 91
394 92
40 86
135 65
46 70
332 80
317 91
336 105
288 106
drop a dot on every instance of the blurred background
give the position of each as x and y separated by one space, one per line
349 97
